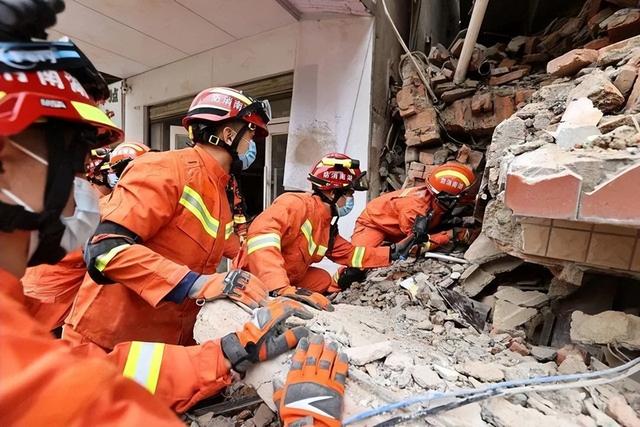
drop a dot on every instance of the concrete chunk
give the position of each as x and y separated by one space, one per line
426 377
474 280
508 316
609 327
362 355
485 372
483 250
520 297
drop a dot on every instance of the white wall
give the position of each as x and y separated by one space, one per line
248 59
330 109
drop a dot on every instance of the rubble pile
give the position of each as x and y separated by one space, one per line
446 121
404 340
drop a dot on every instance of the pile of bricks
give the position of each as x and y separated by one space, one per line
458 123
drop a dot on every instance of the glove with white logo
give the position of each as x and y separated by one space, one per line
313 394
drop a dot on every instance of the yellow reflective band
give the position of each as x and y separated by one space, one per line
322 250
405 192
327 161
2 94
193 202
358 256
307 230
104 259
238 95
456 174
262 241
143 364
228 230
89 112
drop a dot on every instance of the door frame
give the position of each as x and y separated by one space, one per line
173 132
279 126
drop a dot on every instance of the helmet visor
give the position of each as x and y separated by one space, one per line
361 182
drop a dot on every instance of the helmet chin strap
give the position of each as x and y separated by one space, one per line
331 201
236 163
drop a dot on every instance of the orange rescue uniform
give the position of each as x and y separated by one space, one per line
176 203
52 288
293 233
390 217
47 382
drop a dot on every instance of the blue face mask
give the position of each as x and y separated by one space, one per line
348 207
247 158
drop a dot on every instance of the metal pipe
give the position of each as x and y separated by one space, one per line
477 16
443 257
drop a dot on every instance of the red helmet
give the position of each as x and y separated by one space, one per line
337 171
38 93
220 104
124 153
97 166
451 178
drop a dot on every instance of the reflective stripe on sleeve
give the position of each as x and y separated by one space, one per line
358 256
104 259
143 364
193 202
262 241
228 230
322 250
307 230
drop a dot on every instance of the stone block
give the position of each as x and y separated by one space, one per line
570 245
625 79
546 196
608 203
598 88
520 297
508 316
608 250
608 327
571 62
535 239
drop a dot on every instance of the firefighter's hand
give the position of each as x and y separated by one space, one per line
313 299
402 249
238 285
265 336
461 235
26 19
313 394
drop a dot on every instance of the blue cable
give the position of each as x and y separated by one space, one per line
465 392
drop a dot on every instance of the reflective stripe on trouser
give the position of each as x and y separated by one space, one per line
262 241
143 364
228 230
358 256
104 259
193 202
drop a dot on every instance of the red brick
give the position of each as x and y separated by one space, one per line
439 55
614 201
416 166
507 63
623 24
455 94
406 103
475 159
482 103
595 20
519 348
633 102
571 62
463 154
504 79
414 174
625 79
572 349
426 158
458 117
553 196
422 128
522 95
598 44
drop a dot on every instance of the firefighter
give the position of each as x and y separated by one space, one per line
391 217
164 230
48 121
52 288
299 229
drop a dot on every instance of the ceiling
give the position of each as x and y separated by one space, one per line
124 38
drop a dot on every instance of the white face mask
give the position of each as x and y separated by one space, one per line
80 227
112 180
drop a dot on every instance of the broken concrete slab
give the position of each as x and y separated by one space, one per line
609 327
571 62
445 373
619 410
520 297
508 316
578 123
474 280
598 88
483 250
398 361
426 377
500 412
485 372
543 354
360 356
502 265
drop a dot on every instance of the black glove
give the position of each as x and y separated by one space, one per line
401 249
350 275
22 20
